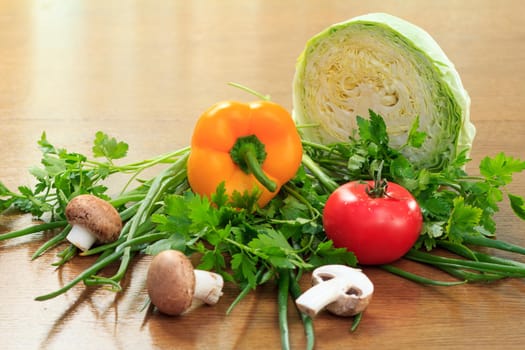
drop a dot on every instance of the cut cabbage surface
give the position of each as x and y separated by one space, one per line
382 63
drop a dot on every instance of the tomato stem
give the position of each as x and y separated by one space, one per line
380 184
249 154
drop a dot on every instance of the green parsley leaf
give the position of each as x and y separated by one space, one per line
4 191
518 205
245 268
212 260
463 219
271 239
8 201
357 160
45 146
220 197
377 131
108 147
416 138
175 241
247 200
326 253
500 168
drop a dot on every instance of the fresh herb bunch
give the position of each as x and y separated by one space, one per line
163 213
458 209
256 242
64 175
250 246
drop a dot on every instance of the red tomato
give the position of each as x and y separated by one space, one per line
377 230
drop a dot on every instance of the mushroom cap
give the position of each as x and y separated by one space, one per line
96 215
171 282
356 290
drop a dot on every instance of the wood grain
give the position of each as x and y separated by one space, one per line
143 72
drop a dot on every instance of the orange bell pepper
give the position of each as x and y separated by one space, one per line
245 145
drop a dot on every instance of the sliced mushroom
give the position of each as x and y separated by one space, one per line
173 284
342 290
92 219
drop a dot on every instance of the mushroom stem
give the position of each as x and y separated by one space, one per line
319 296
208 286
81 237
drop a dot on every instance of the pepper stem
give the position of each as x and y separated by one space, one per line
248 153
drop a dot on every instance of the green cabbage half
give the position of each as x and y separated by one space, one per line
383 63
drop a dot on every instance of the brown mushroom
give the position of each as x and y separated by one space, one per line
173 284
91 219
342 290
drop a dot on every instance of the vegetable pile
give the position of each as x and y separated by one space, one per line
256 201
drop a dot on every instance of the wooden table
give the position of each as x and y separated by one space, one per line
143 71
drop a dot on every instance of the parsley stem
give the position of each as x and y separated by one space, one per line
313 211
174 174
88 273
127 198
124 263
508 270
324 179
52 242
316 145
356 322
143 164
143 239
295 292
103 247
98 280
465 252
246 248
471 276
250 91
493 243
244 292
66 255
93 269
282 301
33 229
458 249
417 278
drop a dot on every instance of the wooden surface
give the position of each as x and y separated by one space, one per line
143 71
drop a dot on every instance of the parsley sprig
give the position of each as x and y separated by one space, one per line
287 234
63 175
251 246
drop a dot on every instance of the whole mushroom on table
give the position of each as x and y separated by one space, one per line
173 284
92 219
